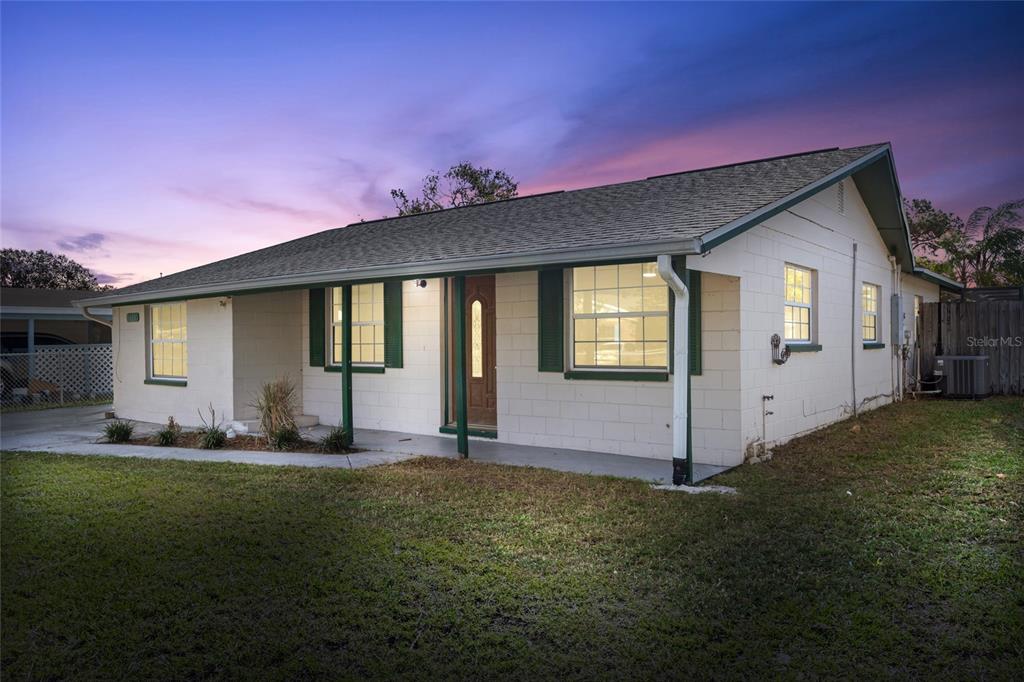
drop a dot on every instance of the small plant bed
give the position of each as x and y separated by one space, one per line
194 439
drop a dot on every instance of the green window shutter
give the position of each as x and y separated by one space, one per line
550 330
393 324
694 357
317 315
691 278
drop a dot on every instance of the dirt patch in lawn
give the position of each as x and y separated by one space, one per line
192 439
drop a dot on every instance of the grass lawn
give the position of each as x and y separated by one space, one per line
890 551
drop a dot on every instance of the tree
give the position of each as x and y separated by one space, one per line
928 225
987 250
462 185
44 270
996 252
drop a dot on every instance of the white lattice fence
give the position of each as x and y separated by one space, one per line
57 374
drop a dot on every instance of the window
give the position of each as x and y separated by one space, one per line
619 317
799 309
869 312
476 345
367 324
168 341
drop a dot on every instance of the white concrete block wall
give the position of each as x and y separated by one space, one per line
715 393
267 337
622 417
209 366
406 399
811 389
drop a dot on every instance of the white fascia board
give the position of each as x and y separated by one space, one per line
409 271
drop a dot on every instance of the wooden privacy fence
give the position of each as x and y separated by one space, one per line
992 328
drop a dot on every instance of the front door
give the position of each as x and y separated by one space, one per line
481 353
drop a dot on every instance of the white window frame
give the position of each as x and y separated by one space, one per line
812 307
864 313
570 331
333 327
151 342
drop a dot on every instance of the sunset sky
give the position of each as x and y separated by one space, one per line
147 137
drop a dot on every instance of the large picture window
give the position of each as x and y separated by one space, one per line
869 312
168 341
367 324
799 310
619 317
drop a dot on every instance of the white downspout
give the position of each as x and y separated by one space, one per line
89 316
680 350
853 333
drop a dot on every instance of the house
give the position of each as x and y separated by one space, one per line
47 317
49 352
650 318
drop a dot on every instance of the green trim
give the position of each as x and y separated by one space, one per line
694 354
356 369
166 382
346 360
476 433
803 347
873 345
757 217
317 322
461 407
392 324
550 320
614 375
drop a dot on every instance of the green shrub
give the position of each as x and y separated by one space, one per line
284 438
169 434
276 404
337 440
119 431
211 436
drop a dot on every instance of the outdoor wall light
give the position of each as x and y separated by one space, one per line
421 283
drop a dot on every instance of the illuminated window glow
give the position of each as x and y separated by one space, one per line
619 317
367 324
799 304
168 341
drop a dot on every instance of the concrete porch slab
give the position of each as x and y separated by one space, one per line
487 450
76 430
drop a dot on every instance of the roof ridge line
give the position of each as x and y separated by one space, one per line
454 208
746 163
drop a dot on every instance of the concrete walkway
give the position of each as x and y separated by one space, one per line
76 430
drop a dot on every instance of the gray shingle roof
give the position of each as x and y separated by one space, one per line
661 209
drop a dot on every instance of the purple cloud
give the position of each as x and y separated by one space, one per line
86 242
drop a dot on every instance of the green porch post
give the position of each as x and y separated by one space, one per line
346 360
459 312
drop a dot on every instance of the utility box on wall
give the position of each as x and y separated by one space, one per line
897 326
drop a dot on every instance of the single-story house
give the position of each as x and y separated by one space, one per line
659 318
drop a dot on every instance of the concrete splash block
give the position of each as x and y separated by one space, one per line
696 489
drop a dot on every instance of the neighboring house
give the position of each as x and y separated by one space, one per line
978 294
546 320
49 352
46 317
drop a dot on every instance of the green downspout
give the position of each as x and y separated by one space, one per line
459 313
346 360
